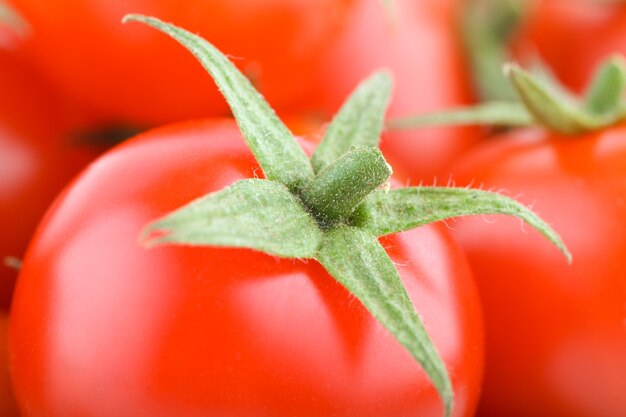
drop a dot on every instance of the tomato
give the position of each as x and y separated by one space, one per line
119 70
8 407
555 334
102 326
36 161
422 49
598 29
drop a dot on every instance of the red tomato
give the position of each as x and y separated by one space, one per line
423 51
8 407
35 163
104 327
556 334
597 29
118 70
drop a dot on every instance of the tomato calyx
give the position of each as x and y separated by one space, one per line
543 102
330 208
552 106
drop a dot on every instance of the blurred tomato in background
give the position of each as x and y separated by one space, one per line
134 75
37 158
555 333
8 407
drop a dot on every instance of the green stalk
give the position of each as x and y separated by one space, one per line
339 188
542 102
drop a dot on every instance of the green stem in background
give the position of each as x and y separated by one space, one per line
544 102
498 113
557 112
486 27
605 93
333 214
547 107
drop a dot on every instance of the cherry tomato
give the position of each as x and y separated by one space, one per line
597 29
420 45
8 407
556 333
35 160
86 51
102 326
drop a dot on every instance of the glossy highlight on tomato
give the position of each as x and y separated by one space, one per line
36 160
555 334
85 51
102 326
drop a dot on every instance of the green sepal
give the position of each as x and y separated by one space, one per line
359 122
274 147
384 212
542 72
356 260
552 109
340 187
254 213
496 113
604 95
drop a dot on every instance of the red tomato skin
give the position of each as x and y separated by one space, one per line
102 326
422 50
555 333
8 407
597 30
36 161
86 52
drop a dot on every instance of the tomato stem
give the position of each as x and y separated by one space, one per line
487 26
339 188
